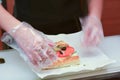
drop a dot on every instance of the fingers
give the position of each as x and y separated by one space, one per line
39 59
42 54
92 35
51 53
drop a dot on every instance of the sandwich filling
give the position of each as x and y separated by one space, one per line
67 56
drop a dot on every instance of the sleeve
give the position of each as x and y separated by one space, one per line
0 1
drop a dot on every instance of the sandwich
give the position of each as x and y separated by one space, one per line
67 56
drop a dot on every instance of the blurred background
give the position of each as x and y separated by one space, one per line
110 17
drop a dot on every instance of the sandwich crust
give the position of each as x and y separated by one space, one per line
65 62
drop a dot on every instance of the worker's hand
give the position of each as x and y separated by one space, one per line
93 32
34 44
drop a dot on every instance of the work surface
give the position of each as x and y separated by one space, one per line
16 69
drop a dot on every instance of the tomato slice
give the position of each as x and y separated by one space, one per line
68 52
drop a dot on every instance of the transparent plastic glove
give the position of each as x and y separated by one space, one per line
93 32
36 46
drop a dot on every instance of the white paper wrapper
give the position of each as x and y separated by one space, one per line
90 58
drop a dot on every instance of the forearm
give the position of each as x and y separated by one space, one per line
7 21
95 8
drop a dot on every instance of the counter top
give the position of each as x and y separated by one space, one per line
16 69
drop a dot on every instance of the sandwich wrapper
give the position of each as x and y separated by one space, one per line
91 58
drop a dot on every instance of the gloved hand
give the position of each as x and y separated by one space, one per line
34 44
93 32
